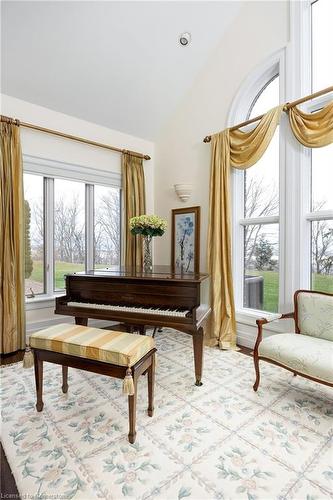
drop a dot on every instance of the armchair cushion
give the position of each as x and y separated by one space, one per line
315 315
308 355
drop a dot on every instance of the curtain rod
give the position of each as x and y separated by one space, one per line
6 119
285 108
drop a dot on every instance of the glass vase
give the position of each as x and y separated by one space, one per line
147 254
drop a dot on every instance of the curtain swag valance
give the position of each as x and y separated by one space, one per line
241 150
313 130
246 148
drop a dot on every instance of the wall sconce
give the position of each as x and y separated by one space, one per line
183 191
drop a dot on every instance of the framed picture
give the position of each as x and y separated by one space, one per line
185 249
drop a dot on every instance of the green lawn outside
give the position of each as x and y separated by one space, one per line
321 282
271 288
61 268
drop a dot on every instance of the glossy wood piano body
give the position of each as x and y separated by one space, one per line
161 298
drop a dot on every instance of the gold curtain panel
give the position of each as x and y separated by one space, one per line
134 204
12 314
222 327
241 150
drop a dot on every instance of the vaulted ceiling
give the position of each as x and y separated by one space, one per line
117 64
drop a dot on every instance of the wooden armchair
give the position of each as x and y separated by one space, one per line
309 350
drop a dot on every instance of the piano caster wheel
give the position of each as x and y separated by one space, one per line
198 383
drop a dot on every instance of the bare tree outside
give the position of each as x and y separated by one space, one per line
69 229
322 245
34 237
258 203
107 233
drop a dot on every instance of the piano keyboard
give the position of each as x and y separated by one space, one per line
138 310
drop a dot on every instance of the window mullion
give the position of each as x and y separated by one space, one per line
89 227
238 236
283 217
49 234
271 219
320 215
297 164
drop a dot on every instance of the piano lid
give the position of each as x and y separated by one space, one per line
158 273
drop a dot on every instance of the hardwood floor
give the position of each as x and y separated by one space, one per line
13 357
7 481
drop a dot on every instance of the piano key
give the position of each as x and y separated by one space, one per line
135 309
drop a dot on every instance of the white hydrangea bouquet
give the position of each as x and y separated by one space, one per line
148 226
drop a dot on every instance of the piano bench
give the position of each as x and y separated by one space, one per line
116 354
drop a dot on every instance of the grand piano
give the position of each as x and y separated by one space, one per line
161 298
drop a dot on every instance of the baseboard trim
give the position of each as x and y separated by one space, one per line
245 339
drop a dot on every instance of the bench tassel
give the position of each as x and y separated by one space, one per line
28 358
128 384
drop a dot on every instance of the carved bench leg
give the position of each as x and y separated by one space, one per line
151 384
132 414
64 379
39 382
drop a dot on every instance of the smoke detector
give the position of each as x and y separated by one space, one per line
184 39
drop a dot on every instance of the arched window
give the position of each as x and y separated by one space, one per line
261 215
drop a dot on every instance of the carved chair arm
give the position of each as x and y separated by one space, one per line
274 317
269 319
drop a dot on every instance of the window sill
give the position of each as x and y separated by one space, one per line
249 317
42 302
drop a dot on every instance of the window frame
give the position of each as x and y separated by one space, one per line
50 170
311 215
300 83
240 110
292 64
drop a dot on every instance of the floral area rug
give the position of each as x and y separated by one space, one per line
218 441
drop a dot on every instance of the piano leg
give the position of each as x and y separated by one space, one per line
198 354
81 321
142 330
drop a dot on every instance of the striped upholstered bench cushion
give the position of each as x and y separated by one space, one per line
118 348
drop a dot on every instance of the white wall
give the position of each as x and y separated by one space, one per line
260 29
47 146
